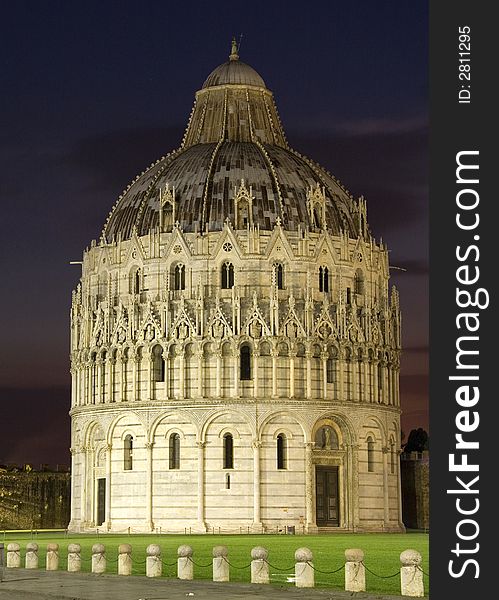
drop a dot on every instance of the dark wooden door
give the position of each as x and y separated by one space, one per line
101 501
327 497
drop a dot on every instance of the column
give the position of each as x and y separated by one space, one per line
353 368
308 355
256 356
181 373
201 446
200 373
81 385
123 382
341 375
235 366
149 378
111 363
375 382
73 452
83 484
324 357
354 489
218 387
365 374
135 373
309 491
149 482
399 492
386 512
274 373
73 373
256 483
166 358
91 516
87 383
109 448
292 357
98 387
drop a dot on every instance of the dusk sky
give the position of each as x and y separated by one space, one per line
93 92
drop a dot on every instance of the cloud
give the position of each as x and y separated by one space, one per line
416 266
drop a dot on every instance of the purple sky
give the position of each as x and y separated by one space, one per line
93 92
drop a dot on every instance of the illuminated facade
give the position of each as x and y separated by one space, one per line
235 348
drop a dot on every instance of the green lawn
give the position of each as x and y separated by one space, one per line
381 553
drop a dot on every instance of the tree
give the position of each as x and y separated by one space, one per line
417 441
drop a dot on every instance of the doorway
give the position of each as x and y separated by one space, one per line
327 497
101 500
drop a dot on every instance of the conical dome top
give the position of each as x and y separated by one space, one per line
234 72
234 138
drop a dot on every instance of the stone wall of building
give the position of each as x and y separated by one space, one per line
415 476
34 500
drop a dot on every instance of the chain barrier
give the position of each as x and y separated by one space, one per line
235 566
111 560
174 564
278 569
424 573
200 566
380 576
325 572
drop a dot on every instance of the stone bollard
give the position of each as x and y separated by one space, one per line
220 563
304 571
52 559
411 575
355 571
154 566
185 566
124 559
259 565
98 558
74 558
13 556
31 560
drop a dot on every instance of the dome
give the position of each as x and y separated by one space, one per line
234 72
234 138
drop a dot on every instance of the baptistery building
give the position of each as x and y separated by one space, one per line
235 344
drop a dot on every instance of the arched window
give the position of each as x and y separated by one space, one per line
127 453
370 454
279 276
330 370
158 364
227 276
136 282
393 456
179 277
228 451
317 221
174 462
245 363
281 452
358 282
323 279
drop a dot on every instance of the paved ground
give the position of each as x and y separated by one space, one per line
21 584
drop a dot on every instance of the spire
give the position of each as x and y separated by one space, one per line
234 55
